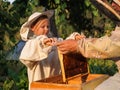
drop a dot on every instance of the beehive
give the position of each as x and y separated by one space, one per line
75 75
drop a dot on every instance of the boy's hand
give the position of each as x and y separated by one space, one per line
78 36
49 41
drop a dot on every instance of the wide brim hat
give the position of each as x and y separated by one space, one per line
36 15
107 9
25 31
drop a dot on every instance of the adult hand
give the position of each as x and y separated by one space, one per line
67 46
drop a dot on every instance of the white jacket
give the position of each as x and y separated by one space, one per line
41 60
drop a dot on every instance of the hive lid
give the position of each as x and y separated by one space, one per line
106 8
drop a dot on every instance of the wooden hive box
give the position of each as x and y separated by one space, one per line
75 75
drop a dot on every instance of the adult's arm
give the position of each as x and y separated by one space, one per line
104 47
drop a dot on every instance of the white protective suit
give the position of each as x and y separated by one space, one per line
41 61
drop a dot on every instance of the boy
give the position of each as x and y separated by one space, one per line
38 54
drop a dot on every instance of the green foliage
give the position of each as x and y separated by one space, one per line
102 66
70 16
14 76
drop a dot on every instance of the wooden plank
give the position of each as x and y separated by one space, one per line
62 66
93 81
74 84
53 86
53 79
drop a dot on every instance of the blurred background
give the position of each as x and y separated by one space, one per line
70 16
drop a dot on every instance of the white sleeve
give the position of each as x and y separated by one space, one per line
34 50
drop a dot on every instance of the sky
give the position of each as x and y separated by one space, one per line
11 1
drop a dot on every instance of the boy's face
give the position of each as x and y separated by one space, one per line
41 27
